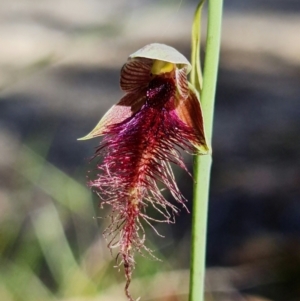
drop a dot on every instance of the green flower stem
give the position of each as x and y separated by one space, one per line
202 164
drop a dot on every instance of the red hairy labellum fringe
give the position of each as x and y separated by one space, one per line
143 134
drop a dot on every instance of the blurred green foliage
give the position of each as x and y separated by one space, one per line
51 246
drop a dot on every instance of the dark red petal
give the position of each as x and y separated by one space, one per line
182 82
189 111
135 74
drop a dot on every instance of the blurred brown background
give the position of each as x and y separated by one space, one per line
59 73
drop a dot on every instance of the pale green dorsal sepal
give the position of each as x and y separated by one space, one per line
162 52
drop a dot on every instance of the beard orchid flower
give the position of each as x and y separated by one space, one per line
159 115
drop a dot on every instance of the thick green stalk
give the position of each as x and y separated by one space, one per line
202 164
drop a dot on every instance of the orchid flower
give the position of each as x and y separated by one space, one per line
159 115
